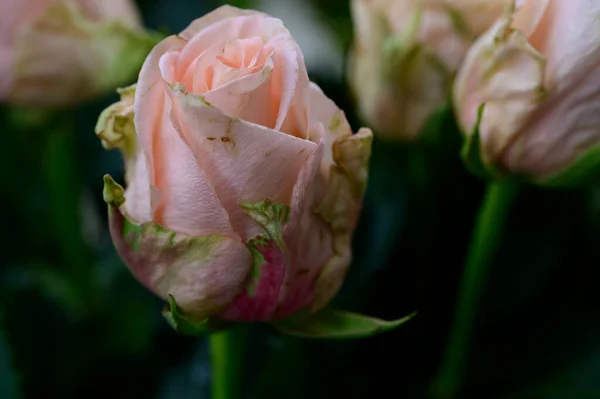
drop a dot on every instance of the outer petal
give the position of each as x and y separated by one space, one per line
244 162
116 129
215 16
568 35
184 200
137 205
334 124
204 274
561 130
309 239
341 207
502 71
283 280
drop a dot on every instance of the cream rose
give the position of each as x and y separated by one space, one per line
405 55
530 90
247 181
58 52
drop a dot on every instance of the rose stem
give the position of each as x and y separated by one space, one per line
490 222
64 189
226 350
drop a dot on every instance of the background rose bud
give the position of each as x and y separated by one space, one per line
58 52
406 53
248 181
537 73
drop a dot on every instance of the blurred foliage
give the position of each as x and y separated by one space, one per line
74 319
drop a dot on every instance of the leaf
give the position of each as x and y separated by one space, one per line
188 326
336 324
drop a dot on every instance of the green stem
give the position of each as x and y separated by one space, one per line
64 189
488 229
226 350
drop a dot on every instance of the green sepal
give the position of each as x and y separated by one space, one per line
113 193
189 326
331 323
471 152
584 169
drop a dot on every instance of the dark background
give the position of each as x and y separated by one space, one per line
74 323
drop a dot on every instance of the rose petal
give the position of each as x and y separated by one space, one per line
340 209
186 202
571 48
333 119
137 194
528 15
243 27
215 16
244 98
308 238
204 274
289 78
561 130
243 161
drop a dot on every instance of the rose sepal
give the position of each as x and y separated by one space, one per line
331 323
189 325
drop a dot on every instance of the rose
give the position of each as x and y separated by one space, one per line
529 91
245 181
58 52
405 55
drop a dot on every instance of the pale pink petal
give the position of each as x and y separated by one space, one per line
335 125
290 87
289 80
308 237
215 16
243 161
247 98
150 97
561 130
568 36
284 285
137 193
203 274
185 200
256 25
528 15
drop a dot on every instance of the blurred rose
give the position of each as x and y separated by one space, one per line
58 52
537 70
247 182
405 55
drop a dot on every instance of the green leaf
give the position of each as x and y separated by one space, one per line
188 326
336 324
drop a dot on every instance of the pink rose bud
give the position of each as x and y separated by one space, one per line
58 52
405 55
528 94
244 182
